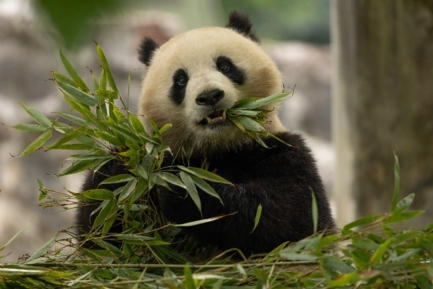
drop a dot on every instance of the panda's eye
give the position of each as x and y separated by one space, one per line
227 67
224 67
181 81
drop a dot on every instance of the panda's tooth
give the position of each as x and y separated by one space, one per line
223 115
209 120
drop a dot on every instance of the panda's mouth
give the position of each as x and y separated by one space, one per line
215 117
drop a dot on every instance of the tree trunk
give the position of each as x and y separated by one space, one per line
383 102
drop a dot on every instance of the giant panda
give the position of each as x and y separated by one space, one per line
190 82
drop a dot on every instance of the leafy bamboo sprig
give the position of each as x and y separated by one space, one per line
98 132
249 115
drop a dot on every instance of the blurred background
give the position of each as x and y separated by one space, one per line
296 34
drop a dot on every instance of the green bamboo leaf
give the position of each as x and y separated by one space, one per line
134 239
142 172
365 244
114 140
360 222
140 240
81 84
97 155
89 117
73 118
202 221
293 256
204 174
77 94
108 210
79 166
66 138
73 147
106 95
153 125
243 112
127 190
402 216
140 189
189 281
237 122
250 124
205 187
396 194
136 124
344 280
38 142
259 140
242 103
124 132
98 194
192 190
170 178
107 225
149 147
403 204
314 211
379 253
336 264
41 251
106 67
122 178
103 79
427 245
257 218
61 127
261 102
38 116
62 78
30 127
164 128
94 81
43 192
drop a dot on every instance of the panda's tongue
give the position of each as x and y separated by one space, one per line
216 116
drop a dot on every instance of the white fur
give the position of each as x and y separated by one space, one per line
195 52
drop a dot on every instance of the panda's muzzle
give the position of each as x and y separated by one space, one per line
214 117
211 98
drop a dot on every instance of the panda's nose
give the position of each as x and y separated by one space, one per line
209 97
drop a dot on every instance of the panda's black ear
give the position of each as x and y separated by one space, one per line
146 50
241 24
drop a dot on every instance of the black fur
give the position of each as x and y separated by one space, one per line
234 73
178 88
242 24
84 219
146 50
280 178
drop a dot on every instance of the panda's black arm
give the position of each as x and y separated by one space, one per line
280 179
83 218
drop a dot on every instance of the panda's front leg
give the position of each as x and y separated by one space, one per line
282 219
280 179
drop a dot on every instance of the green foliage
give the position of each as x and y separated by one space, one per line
74 22
98 132
368 253
249 115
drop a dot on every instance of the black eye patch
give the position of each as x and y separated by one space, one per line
178 88
226 66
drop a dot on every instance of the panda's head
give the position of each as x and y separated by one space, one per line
192 80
